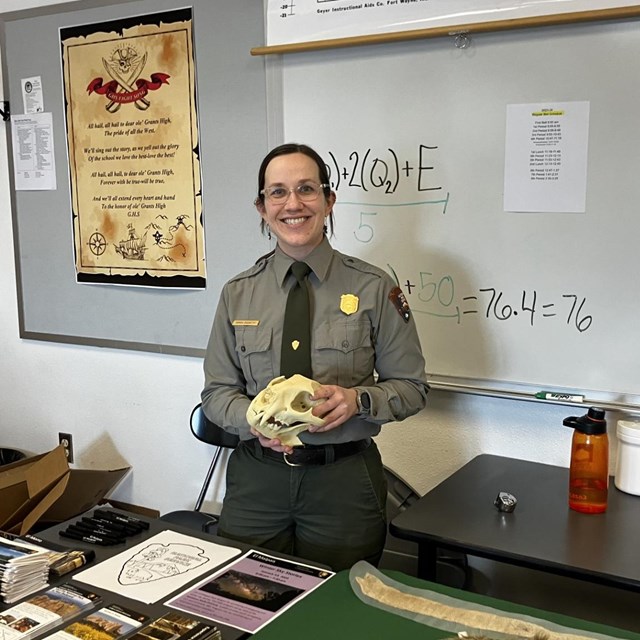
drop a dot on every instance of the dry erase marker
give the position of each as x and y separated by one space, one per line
78 536
92 533
108 524
128 521
562 397
96 531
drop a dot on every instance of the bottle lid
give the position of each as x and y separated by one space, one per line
592 423
629 431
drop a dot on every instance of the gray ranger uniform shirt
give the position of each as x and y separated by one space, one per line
243 354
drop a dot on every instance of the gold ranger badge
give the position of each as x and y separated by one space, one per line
349 303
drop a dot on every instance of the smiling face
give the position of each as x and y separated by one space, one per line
298 225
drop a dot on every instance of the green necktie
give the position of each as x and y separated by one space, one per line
295 356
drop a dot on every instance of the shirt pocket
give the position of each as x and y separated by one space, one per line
344 352
253 346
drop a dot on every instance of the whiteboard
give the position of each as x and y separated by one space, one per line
542 299
310 20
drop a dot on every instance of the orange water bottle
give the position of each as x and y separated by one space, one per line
589 470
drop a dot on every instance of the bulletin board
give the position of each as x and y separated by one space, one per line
231 96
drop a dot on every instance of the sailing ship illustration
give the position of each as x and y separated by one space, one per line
133 247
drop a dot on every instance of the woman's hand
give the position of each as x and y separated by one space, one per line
340 404
272 443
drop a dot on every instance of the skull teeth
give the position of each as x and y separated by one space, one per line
277 424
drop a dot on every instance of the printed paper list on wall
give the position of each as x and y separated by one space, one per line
546 157
34 162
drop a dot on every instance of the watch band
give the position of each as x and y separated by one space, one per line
363 400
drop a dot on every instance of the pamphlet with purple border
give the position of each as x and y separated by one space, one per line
252 591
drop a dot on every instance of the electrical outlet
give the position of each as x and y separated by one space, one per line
66 440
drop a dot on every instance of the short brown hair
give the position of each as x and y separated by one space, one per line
287 149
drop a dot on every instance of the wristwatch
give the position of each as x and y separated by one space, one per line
363 400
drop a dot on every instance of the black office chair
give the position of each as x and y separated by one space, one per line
209 433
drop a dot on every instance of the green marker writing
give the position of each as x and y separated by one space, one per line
562 397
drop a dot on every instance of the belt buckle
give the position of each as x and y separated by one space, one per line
291 464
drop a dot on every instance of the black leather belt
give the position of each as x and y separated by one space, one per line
310 455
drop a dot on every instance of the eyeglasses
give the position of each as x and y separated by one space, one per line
306 192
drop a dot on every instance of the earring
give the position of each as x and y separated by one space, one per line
268 232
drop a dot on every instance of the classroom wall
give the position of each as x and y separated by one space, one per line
132 408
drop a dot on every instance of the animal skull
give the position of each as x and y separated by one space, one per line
283 409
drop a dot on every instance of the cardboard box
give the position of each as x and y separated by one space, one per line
43 489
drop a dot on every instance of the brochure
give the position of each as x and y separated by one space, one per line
24 569
250 592
176 626
109 623
44 611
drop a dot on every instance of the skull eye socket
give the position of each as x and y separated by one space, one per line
302 402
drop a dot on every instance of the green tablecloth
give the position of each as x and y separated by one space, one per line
334 612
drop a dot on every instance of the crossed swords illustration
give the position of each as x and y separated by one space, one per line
126 83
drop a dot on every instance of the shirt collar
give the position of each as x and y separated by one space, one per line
319 260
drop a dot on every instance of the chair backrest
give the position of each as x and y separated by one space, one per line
209 432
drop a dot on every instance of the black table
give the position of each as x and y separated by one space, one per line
332 610
51 535
541 533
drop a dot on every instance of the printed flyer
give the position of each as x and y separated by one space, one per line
252 591
132 137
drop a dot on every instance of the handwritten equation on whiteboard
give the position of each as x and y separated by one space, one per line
386 177
384 172
386 181
437 296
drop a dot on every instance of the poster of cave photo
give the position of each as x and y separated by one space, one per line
132 137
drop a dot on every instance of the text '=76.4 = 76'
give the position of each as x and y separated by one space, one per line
438 297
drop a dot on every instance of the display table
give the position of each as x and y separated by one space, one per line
541 533
333 611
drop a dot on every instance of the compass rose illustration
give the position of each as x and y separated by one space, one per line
97 243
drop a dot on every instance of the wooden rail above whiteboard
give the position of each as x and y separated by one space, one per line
616 13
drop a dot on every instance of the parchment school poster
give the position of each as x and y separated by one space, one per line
133 151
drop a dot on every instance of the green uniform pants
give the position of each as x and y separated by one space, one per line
333 514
